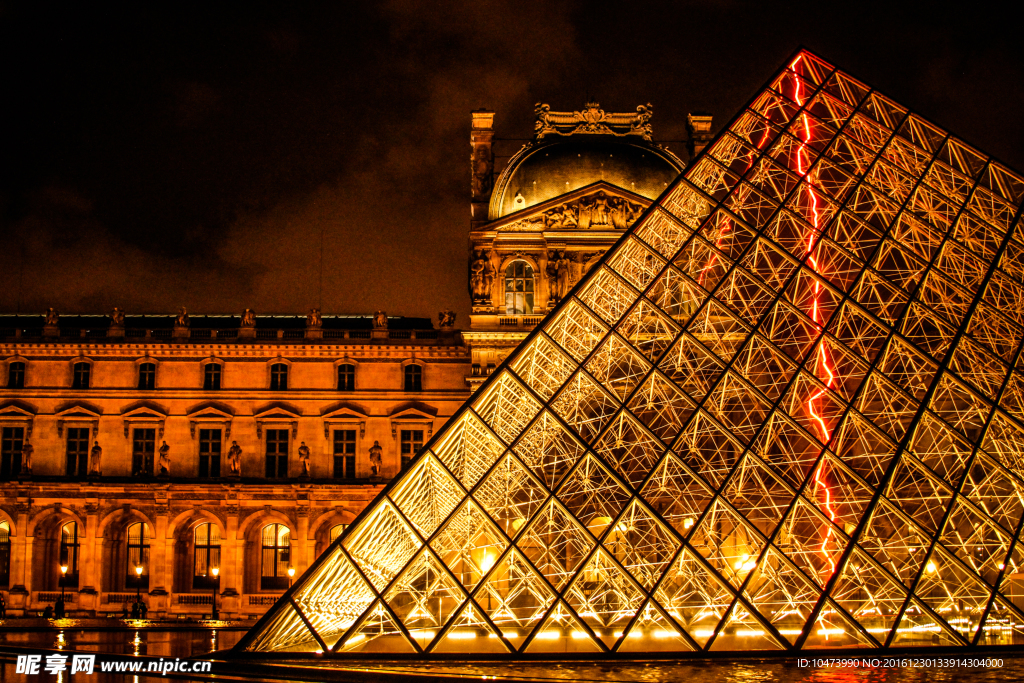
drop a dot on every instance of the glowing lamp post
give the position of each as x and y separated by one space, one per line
291 575
138 584
216 573
63 576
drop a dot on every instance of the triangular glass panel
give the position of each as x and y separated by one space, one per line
515 597
629 448
333 597
427 495
953 592
548 449
918 628
617 367
285 631
510 495
694 596
1003 625
676 494
585 405
469 544
895 542
730 545
556 544
470 632
381 544
378 633
742 631
781 594
562 632
641 543
692 366
604 596
593 495
543 366
653 631
506 406
811 541
833 629
661 406
575 330
869 594
468 448
648 329
423 597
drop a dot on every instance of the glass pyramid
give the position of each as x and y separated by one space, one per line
786 411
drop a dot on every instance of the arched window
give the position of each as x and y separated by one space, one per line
5 554
138 556
147 376
69 547
518 288
413 378
337 530
275 557
346 377
278 377
82 373
16 375
207 556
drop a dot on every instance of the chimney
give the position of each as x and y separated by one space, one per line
481 135
699 127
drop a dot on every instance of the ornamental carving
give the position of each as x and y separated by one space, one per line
592 120
600 211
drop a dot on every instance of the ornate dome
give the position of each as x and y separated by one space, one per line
546 169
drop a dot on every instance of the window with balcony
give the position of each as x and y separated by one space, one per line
519 288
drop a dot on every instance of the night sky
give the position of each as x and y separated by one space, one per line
193 156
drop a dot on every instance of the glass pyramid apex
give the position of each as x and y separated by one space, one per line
785 411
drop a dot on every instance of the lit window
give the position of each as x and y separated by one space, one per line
77 452
344 454
278 377
138 556
5 554
206 553
16 376
518 288
143 450
82 372
209 452
11 443
69 546
411 442
275 557
147 376
413 378
277 453
346 378
211 376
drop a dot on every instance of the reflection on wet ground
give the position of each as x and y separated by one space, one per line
197 642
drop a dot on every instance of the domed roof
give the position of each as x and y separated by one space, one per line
547 169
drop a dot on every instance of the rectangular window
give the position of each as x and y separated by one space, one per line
277 453
147 376
346 378
412 442
82 376
279 377
78 452
209 452
143 449
344 454
16 376
211 376
413 378
11 441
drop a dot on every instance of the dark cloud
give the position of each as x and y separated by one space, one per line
197 156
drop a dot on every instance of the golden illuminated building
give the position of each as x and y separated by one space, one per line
785 411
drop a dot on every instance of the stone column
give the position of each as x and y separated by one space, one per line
160 551
231 567
481 136
90 565
21 565
300 544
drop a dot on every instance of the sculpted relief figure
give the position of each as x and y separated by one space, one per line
481 168
248 318
117 318
586 214
642 122
600 215
95 456
304 459
558 270
542 123
375 459
446 319
27 450
619 213
52 318
380 320
314 320
492 276
478 276
165 460
235 459
182 319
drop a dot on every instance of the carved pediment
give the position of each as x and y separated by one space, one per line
342 410
79 409
598 206
414 409
278 411
16 408
211 409
144 409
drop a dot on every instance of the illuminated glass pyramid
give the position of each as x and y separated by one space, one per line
784 412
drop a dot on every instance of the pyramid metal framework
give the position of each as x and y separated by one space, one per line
786 411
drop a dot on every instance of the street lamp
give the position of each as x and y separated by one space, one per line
216 573
63 576
291 575
138 586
